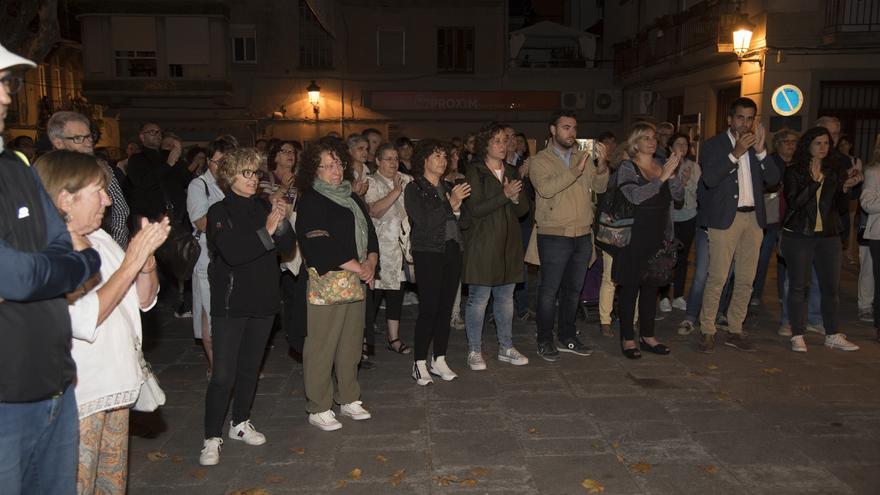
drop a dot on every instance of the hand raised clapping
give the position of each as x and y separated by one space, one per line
459 193
512 188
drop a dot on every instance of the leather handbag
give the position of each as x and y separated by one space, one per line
151 395
334 287
179 252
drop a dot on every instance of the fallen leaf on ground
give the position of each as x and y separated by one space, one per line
156 456
178 459
724 396
710 469
355 473
275 479
615 445
198 474
397 477
532 431
469 482
640 467
712 367
381 458
592 486
339 484
620 458
298 451
251 491
771 371
445 480
479 472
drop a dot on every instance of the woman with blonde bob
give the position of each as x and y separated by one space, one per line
245 233
104 316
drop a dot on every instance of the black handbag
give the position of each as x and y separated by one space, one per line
179 253
661 265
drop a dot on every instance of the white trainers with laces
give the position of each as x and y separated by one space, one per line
210 455
441 369
512 356
798 344
680 303
245 432
475 361
665 305
355 411
325 420
420 373
838 341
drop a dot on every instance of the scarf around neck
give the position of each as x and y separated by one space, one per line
341 195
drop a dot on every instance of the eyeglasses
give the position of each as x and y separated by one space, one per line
249 173
79 139
152 132
12 84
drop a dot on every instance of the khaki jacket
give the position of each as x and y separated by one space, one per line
563 204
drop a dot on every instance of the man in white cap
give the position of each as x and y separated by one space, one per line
39 428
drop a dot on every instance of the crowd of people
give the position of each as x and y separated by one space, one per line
317 240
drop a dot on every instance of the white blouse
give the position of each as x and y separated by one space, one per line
108 371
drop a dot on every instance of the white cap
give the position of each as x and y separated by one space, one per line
9 60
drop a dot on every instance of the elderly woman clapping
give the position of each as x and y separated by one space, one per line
104 316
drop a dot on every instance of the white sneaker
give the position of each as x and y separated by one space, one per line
475 361
420 373
512 356
210 455
245 432
820 329
680 303
665 305
838 341
441 369
355 411
325 420
797 343
785 330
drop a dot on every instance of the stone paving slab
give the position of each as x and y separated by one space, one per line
771 422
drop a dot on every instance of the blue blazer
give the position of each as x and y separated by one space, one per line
718 191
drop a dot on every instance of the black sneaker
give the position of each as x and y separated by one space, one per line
548 351
574 346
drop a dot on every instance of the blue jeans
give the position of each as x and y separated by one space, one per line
701 273
814 300
39 446
521 293
771 234
563 268
475 314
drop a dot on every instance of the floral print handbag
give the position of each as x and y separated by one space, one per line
334 287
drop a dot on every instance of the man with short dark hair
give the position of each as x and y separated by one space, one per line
374 137
157 177
665 130
736 169
39 264
72 131
564 179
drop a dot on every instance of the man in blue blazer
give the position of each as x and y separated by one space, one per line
736 169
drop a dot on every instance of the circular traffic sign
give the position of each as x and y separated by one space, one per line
787 100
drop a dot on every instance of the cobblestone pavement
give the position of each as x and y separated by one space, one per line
769 422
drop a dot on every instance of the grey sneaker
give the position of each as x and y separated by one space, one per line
838 341
512 356
798 344
574 346
475 361
866 315
548 351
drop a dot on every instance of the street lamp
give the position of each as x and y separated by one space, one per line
315 97
742 39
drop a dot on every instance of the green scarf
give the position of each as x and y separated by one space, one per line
341 195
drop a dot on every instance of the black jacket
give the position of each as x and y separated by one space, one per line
428 213
244 272
799 190
325 231
155 185
38 266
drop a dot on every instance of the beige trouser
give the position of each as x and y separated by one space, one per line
739 243
606 292
334 340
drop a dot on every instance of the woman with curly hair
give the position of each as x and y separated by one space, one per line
337 238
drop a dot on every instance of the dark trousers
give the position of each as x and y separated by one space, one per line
564 264
874 246
393 305
801 256
294 290
684 232
647 296
239 345
771 235
438 275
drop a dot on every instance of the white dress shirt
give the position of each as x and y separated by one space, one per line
746 196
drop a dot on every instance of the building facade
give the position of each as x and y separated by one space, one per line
407 67
675 61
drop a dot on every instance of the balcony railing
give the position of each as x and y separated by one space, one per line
852 16
703 25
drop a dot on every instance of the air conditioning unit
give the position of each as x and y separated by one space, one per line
573 100
608 102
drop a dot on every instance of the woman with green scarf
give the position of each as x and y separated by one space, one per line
338 244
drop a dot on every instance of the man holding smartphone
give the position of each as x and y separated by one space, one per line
735 170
